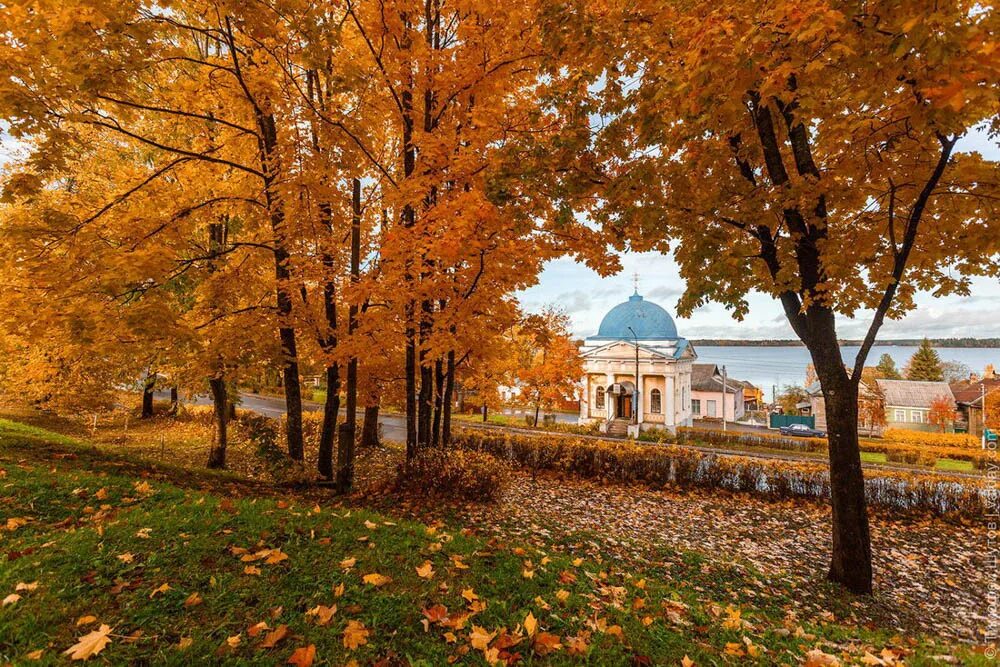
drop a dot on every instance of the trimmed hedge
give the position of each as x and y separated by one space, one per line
665 465
925 438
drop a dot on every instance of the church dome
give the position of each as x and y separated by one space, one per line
648 320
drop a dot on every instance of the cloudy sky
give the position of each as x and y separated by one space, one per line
586 297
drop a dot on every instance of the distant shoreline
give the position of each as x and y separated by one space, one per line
900 342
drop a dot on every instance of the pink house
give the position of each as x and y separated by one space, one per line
707 397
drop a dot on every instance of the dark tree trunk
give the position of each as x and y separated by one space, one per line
409 219
231 403
438 396
449 389
425 399
331 413
369 431
217 457
175 402
485 412
282 274
850 563
147 396
345 449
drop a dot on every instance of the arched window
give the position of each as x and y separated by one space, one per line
654 401
599 403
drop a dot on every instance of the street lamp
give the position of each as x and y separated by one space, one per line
635 406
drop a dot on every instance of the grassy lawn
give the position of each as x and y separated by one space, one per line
873 457
185 568
954 465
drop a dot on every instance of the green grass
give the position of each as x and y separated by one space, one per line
86 509
873 457
954 465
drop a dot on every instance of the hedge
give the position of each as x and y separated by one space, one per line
668 465
925 438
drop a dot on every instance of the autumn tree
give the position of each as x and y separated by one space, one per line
790 397
806 149
925 364
886 368
549 360
942 412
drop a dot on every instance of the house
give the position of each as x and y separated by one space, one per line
636 338
969 398
871 407
908 402
707 398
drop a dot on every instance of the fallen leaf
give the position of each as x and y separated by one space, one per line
35 655
547 642
193 600
273 638
252 570
234 641
686 661
480 638
10 599
348 563
89 644
162 588
85 620
425 571
257 628
303 656
355 635
817 658
184 643
530 624
376 579
322 613
21 586
125 557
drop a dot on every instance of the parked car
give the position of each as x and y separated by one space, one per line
802 431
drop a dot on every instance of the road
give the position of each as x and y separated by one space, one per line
394 429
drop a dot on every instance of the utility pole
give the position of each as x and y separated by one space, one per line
635 406
982 414
724 399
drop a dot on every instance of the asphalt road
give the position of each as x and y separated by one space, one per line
394 429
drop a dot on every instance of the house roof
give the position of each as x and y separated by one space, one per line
970 392
912 393
706 377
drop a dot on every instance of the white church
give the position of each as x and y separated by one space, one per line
636 338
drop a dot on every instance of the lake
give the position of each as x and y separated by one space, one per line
767 367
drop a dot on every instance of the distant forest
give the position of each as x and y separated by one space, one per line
902 342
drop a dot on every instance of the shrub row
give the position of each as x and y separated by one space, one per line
924 438
464 474
663 465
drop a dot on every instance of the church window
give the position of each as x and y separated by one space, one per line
654 401
599 403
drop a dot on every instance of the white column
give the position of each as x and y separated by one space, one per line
639 394
585 411
609 379
670 410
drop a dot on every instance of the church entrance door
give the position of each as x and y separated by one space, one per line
624 407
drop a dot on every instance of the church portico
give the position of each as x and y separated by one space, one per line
636 338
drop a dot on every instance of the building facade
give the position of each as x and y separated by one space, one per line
636 338
713 397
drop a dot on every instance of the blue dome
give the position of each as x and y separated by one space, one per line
649 321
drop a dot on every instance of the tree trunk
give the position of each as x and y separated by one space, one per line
331 413
147 396
485 412
369 431
851 561
345 449
175 402
538 405
217 457
449 389
438 396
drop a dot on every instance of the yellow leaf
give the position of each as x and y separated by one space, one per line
273 638
425 571
85 620
322 613
10 599
480 638
348 562
193 600
251 569
303 656
89 644
21 586
376 579
469 594
35 655
817 658
530 624
126 557
234 641
162 588
562 595
355 635
184 643
687 662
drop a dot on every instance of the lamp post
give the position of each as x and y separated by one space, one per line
635 406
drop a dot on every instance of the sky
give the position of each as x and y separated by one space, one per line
586 297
